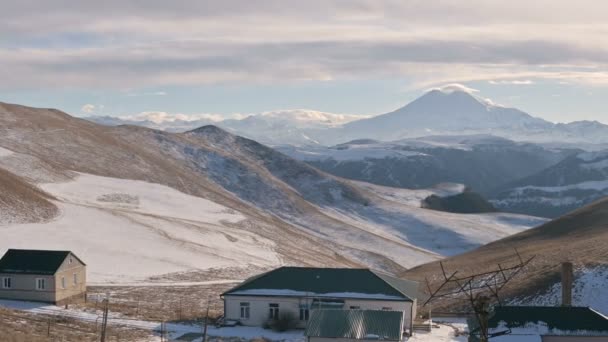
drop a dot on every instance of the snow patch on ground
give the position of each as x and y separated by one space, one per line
589 290
167 232
141 197
294 293
412 197
4 152
590 185
175 329
352 152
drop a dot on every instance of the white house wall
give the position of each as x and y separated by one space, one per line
259 307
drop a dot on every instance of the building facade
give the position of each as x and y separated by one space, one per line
57 277
298 291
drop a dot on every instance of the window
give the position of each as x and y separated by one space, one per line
304 314
7 283
75 278
71 260
63 282
273 312
355 307
386 308
40 283
244 310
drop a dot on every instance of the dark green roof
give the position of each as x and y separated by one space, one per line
27 261
556 317
347 282
356 324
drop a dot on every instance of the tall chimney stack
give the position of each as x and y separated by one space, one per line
567 279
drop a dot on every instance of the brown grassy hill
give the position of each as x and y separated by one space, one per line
21 202
580 237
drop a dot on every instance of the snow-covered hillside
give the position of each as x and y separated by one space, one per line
128 231
570 184
589 289
482 162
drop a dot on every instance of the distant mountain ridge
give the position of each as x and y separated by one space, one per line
437 112
572 183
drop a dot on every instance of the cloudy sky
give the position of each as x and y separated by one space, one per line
549 58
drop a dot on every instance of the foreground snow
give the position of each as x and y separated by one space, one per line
445 333
128 231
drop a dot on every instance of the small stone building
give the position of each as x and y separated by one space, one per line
298 291
57 277
354 325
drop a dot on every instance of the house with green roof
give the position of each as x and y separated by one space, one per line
57 277
547 324
330 325
298 291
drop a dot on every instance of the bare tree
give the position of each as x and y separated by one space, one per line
481 289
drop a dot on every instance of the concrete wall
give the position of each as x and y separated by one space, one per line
24 285
574 338
71 290
259 308
24 288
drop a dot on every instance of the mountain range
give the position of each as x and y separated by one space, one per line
444 111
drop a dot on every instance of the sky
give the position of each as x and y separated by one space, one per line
232 57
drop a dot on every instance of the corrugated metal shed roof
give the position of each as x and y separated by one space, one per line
317 281
25 261
356 324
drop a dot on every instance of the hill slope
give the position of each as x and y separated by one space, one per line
580 237
572 183
21 202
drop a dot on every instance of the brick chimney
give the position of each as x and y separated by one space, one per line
567 280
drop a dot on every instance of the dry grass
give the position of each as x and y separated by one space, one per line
22 202
16 326
169 304
580 237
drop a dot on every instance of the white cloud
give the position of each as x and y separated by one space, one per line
88 108
514 82
161 117
126 45
156 93
455 87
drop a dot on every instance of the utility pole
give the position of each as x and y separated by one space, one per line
104 322
206 321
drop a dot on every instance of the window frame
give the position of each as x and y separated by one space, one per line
245 310
40 281
63 282
7 280
304 314
75 279
273 310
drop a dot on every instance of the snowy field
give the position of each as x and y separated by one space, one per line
127 231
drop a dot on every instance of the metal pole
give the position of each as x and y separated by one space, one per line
206 321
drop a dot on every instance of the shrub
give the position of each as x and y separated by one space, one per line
286 321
